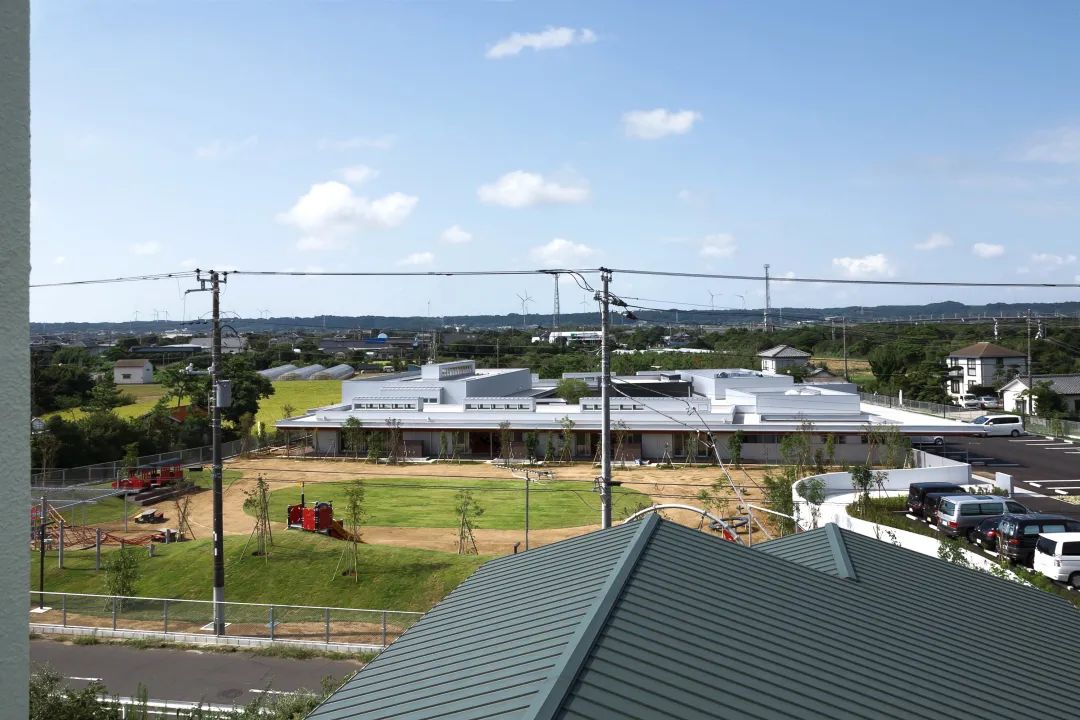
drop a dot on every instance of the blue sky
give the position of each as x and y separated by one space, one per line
921 140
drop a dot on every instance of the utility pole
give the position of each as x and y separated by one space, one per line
554 326
605 395
844 321
219 397
1029 403
767 299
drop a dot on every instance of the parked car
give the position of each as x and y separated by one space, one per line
967 401
989 402
938 440
1057 556
1018 533
992 425
917 494
959 516
985 534
933 502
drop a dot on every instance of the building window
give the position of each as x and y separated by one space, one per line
971 366
125 376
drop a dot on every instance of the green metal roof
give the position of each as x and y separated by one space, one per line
652 619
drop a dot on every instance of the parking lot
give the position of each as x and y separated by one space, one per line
1029 458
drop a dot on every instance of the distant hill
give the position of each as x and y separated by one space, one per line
781 315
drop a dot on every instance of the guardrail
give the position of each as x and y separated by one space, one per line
372 629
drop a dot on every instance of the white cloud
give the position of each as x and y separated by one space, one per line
561 253
658 123
59 260
358 174
417 258
190 263
987 250
1060 146
520 189
456 235
379 142
1049 260
720 245
935 241
866 266
150 247
224 148
330 212
548 39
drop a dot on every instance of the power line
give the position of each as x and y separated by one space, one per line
129 278
844 281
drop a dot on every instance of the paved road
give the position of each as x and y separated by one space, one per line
1027 458
215 678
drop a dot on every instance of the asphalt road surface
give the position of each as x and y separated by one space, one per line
186 675
1027 458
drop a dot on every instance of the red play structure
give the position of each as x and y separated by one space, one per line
317 518
154 475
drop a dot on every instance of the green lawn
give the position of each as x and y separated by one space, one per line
429 502
146 396
301 394
301 570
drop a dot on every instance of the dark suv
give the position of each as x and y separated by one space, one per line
917 494
1018 534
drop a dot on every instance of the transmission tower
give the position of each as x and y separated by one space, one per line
555 307
767 299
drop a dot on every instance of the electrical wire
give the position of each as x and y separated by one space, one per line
106 281
844 281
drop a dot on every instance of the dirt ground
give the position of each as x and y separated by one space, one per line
680 485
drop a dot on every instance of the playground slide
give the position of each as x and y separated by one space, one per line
337 530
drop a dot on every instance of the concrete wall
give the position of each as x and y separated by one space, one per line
498 385
15 352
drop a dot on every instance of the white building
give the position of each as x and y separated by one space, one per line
659 414
1014 395
230 344
780 357
983 364
133 372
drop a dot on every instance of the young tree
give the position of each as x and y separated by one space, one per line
620 430
812 490
179 383
287 411
571 390
375 446
121 574
862 480
352 435
131 457
244 426
567 438
257 502
354 518
396 451
532 444
468 510
505 440
735 442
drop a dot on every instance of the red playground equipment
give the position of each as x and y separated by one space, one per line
154 475
317 518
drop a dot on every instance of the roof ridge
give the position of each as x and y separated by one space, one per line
844 568
551 695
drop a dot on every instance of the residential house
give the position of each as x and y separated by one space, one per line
133 372
1014 394
776 359
983 364
651 619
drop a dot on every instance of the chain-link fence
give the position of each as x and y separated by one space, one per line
349 626
107 472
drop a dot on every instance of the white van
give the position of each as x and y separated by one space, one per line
1057 556
991 425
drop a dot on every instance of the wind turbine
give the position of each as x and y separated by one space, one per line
712 299
525 300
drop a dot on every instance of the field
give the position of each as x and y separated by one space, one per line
301 394
302 570
429 502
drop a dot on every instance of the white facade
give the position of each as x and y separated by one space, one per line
133 372
470 404
982 365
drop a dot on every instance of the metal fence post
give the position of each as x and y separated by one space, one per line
60 547
165 615
115 607
271 622
326 619
63 609
384 629
97 548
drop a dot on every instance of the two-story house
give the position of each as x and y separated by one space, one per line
776 359
983 364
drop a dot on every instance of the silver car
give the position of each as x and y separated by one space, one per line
959 515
